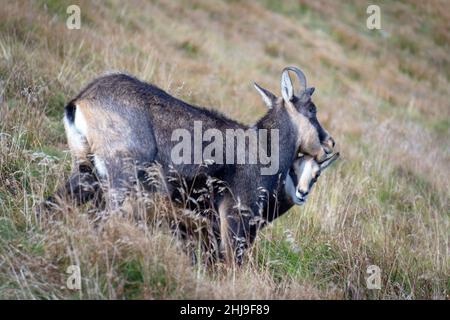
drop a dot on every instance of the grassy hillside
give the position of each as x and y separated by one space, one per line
384 96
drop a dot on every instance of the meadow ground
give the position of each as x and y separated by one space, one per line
383 94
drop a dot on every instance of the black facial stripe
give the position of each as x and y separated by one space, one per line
318 127
311 183
293 177
303 108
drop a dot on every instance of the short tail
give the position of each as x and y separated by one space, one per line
69 111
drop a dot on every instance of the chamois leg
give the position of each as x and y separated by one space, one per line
243 233
81 187
118 178
120 174
238 231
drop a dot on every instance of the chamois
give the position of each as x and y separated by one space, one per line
119 124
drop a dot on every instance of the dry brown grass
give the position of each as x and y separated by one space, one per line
384 97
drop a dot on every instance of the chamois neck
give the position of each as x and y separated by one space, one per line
269 120
278 118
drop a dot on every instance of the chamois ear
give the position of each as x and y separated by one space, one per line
287 89
310 91
268 97
324 164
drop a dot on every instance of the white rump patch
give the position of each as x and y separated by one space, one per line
76 138
100 166
80 122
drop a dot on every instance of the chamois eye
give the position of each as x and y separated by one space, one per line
316 176
312 109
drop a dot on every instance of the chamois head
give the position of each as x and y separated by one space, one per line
313 139
303 175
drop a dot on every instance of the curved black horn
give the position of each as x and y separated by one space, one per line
301 77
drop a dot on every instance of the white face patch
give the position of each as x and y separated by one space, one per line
307 174
291 190
305 169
